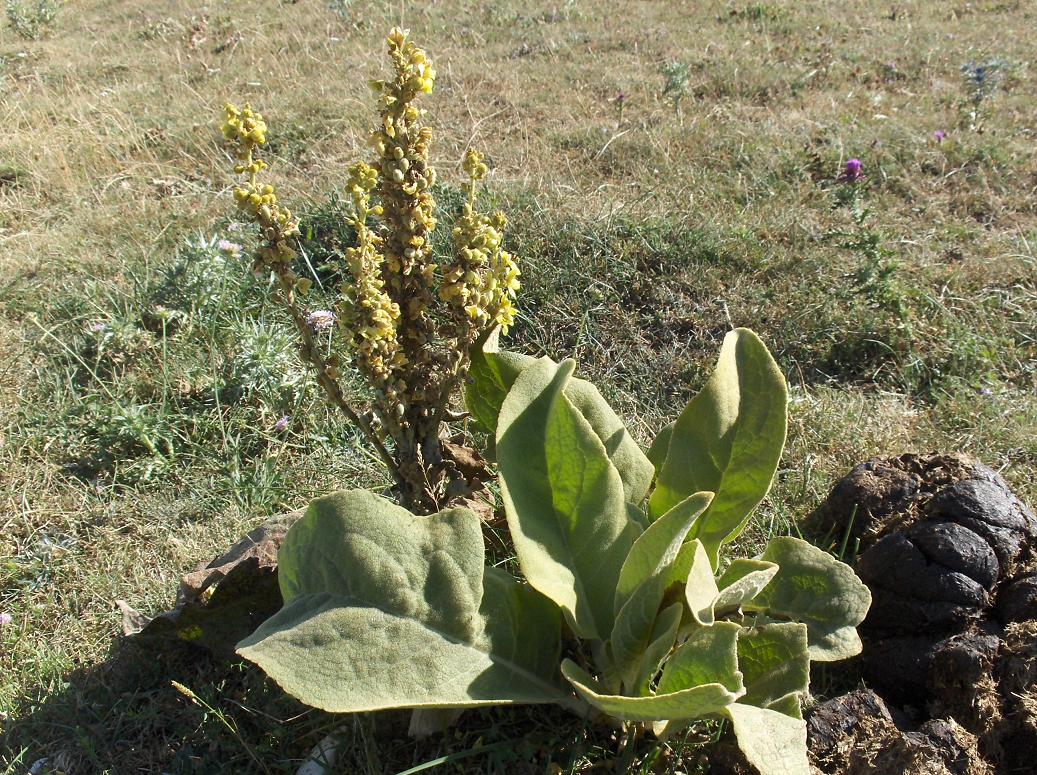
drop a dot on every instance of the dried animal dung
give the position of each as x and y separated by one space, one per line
912 593
1018 600
855 735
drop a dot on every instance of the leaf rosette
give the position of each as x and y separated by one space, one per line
385 609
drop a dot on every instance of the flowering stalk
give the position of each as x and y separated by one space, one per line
247 129
405 320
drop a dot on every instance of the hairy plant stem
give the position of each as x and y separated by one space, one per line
326 378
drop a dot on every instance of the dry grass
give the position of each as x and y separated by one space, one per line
110 159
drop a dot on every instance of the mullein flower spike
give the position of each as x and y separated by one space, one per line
483 279
407 322
247 130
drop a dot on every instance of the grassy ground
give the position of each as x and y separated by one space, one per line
142 374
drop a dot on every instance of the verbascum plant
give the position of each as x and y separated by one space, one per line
629 612
405 318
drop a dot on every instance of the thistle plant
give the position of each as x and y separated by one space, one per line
405 319
30 19
675 89
981 81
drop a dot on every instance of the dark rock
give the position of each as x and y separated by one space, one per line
1018 600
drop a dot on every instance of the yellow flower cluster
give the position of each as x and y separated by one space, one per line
245 127
402 146
247 130
405 180
369 315
414 71
483 279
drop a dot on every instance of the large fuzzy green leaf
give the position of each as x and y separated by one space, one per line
700 589
813 587
385 610
727 441
709 655
660 446
490 376
634 629
690 703
658 546
773 743
493 372
563 498
775 664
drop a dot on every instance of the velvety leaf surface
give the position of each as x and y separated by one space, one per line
658 546
493 372
661 640
490 377
742 581
660 446
700 590
774 743
727 441
636 620
635 469
775 663
709 655
563 498
813 587
685 704
385 609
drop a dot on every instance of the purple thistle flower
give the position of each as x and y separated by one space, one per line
282 425
230 248
97 327
939 135
986 392
320 319
621 97
5 618
853 172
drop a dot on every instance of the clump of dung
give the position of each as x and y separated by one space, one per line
948 552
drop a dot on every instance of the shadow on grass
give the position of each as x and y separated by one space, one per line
128 715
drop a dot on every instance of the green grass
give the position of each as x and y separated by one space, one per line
143 371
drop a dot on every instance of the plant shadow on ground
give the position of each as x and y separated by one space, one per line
184 713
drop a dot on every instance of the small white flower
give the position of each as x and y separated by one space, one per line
320 319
